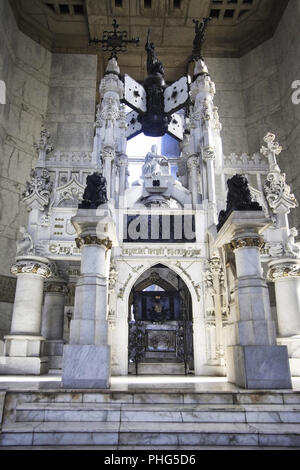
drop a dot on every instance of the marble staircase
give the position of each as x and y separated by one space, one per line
150 420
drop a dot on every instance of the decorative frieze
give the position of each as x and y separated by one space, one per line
245 161
161 251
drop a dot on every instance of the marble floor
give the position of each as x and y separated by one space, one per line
131 383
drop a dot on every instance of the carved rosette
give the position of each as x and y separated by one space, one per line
31 267
93 240
247 242
283 271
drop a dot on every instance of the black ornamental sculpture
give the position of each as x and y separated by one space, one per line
238 199
154 103
95 192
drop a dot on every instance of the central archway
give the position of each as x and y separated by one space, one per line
160 333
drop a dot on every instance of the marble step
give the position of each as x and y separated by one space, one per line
155 434
159 397
39 412
156 368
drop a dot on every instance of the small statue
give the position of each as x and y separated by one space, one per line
155 165
154 66
200 28
25 244
291 248
95 192
238 198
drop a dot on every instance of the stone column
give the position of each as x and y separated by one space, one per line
122 164
193 165
254 360
285 273
86 360
53 321
24 352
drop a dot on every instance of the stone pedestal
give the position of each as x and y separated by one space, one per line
24 346
285 273
86 360
253 358
53 321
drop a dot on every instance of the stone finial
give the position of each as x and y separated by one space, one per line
112 66
43 147
277 191
271 151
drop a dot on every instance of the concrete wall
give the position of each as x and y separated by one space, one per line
226 74
267 75
25 68
72 100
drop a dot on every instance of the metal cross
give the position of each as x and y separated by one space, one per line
200 29
114 41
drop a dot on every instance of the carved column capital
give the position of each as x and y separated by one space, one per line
246 242
56 286
122 160
38 266
192 162
284 270
208 154
93 240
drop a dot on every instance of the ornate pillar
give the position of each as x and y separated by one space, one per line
110 122
254 360
86 360
53 320
203 124
122 163
193 165
214 281
285 273
285 270
24 352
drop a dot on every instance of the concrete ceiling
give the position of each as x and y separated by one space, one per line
64 26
